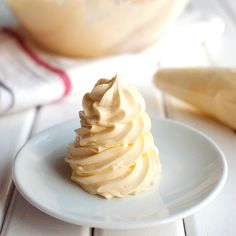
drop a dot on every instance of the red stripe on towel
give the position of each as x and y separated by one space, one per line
22 43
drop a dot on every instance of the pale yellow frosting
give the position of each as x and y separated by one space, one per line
95 27
210 89
114 153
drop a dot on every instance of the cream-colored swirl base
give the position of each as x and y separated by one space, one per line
114 154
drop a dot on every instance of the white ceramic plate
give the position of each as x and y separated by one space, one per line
194 170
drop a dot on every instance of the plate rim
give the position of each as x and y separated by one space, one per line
122 224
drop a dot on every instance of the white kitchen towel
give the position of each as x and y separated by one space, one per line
31 77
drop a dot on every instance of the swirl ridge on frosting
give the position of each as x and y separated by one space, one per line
114 154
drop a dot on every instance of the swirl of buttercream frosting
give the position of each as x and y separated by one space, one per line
114 154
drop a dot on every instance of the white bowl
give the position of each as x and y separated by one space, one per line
194 170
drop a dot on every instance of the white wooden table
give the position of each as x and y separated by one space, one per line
18 217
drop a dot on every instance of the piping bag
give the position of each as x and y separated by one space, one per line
212 90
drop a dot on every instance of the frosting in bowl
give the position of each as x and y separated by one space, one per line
114 154
91 28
